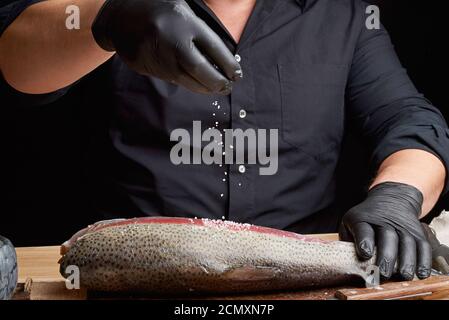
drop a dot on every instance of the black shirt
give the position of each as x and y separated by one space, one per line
311 69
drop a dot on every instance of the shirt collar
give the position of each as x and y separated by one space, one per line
261 11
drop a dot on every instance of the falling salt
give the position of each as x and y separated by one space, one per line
226 173
224 180
240 184
222 195
213 114
223 217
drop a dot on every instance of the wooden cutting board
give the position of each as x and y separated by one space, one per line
39 263
39 279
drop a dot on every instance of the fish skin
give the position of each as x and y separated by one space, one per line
180 255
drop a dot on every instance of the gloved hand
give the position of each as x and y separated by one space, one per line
440 252
165 39
389 218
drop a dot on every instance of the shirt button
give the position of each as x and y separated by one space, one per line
242 169
242 114
238 58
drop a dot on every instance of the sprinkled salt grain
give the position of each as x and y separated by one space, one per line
218 107
226 224
213 114
224 180
240 184
226 173
223 217
232 147
222 195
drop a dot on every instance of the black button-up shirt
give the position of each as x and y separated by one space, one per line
311 69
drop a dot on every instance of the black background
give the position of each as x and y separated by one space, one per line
45 197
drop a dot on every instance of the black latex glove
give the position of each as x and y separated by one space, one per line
440 252
389 218
165 39
8 269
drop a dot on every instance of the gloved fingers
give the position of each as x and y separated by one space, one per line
431 236
440 253
199 68
387 250
407 256
213 47
344 234
364 239
192 84
176 76
424 259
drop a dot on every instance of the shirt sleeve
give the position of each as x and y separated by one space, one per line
9 11
385 106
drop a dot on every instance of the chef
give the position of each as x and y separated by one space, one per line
309 69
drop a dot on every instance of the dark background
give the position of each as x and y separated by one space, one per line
46 200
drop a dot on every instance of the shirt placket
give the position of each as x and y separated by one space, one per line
241 176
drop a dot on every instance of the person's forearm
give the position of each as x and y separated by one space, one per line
39 54
418 168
